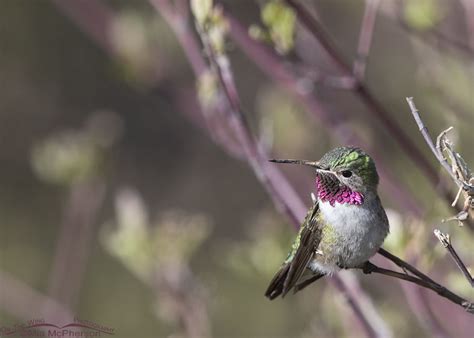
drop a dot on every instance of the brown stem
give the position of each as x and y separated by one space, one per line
420 278
439 289
404 265
446 242
73 243
365 38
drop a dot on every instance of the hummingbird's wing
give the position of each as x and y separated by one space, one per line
303 250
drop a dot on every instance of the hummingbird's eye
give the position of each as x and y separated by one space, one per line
346 173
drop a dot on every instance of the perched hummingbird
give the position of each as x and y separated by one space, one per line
345 226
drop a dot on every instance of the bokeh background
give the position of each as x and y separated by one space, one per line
118 207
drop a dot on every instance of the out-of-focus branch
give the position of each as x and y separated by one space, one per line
180 24
21 301
365 38
73 243
417 298
182 30
469 15
93 18
446 242
425 282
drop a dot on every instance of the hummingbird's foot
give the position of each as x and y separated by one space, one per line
342 267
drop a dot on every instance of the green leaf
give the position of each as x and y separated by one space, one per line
201 10
280 21
422 14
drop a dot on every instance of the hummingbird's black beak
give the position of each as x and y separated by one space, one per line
302 162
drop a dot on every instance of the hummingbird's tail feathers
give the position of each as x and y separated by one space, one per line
277 283
302 285
303 251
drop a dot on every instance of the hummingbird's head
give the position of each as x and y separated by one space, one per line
352 167
348 166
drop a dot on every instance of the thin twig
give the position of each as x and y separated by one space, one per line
404 265
365 38
446 242
423 282
444 163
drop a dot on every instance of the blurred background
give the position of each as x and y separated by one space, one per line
123 205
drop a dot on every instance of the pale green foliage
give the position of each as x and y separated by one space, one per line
422 14
260 34
66 158
145 248
211 21
201 10
397 238
213 29
280 21
76 155
133 38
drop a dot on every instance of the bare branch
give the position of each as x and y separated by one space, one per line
21 301
429 141
404 265
74 241
427 283
365 38
93 17
469 14
446 242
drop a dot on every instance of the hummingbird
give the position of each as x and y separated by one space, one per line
344 227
